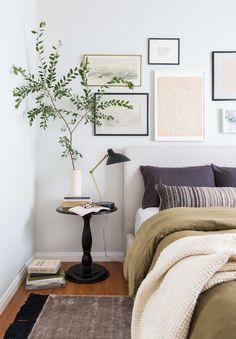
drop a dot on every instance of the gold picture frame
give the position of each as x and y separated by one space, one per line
104 67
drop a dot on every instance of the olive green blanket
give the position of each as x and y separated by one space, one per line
217 305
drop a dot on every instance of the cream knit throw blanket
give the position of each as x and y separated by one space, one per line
166 299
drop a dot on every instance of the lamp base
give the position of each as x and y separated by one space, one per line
108 204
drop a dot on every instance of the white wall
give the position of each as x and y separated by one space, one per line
120 27
17 144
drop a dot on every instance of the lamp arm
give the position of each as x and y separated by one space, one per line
97 188
91 173
93 169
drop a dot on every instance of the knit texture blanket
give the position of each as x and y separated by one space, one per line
166 298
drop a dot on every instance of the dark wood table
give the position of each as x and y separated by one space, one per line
87 272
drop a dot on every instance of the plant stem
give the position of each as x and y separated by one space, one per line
57 111
66 123
83 116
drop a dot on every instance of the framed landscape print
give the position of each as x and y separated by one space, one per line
229 120
224 75
179 106
163 51
126 122
104 67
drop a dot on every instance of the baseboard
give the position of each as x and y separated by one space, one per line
76 256
63 256
6 298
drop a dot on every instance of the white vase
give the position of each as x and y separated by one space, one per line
76 183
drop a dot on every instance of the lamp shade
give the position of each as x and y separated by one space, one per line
115 158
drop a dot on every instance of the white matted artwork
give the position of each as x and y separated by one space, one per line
229 120
224 75
163 51
126 122
104 67
179 106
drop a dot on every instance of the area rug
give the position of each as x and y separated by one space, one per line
73 317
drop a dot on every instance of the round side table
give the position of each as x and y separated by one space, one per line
87 272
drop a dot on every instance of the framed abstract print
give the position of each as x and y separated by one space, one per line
163 51
179 106
126 121
224 75
104 67
229 120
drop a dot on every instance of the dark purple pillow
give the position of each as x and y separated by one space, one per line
224 176
199 176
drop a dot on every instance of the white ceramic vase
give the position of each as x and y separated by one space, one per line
76 183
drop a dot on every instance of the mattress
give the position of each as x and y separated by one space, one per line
142 215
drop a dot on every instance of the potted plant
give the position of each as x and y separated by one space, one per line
49 92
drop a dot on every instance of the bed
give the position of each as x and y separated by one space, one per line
163 156
172 230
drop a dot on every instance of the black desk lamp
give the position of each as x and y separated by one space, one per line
112 158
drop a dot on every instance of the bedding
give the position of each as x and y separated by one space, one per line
184 196
197 263
224 176
167 227
142 215
178 176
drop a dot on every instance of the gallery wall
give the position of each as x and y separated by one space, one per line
17 146
120 27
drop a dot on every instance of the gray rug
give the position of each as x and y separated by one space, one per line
85 317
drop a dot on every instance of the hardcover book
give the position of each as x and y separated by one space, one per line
44 282
83 211
44 286
44 266
47 275
60 278
80 197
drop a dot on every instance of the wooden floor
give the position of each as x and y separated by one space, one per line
114 285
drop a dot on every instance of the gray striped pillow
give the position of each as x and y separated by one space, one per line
188 196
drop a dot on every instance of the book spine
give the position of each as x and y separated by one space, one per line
74 204
43 287
45 281
42 275
43 270
82 201
77 198
35 276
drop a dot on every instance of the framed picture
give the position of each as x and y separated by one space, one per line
163 51
229 120
104 67
126 122
179 106
224 75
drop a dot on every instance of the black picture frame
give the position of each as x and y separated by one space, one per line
214 75
164 63
125 134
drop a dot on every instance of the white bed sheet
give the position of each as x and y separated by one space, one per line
142 215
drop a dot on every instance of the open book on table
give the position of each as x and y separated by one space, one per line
86 210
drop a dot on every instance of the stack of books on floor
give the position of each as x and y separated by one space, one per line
45 273
73 201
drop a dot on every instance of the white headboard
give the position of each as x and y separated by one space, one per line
165 156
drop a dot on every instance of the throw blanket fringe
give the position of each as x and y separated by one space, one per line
166 299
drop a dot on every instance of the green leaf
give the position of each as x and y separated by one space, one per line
42 24
53 98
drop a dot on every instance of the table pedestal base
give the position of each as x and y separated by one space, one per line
78 274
